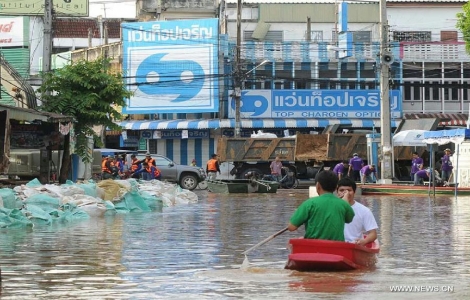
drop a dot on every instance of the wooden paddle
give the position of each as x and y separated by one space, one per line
265 240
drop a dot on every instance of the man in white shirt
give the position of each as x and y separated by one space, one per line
363 228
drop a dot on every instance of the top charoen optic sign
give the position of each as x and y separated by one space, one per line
73 8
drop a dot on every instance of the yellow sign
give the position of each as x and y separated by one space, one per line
73 8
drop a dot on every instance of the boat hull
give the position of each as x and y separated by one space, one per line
324 255
402 189
232 186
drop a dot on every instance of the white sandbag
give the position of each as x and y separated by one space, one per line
261 134
93 209
79 199
186 197
124 183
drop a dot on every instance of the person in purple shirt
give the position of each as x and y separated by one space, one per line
416 165
340 169
355 165
446 166
421 175
368 174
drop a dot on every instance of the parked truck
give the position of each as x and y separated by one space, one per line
305 155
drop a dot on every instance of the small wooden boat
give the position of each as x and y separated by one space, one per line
325 255
230 186
409 189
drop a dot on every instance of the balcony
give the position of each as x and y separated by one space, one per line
112 51
318 52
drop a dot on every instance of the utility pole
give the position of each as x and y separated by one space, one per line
47 39
237 75
385 59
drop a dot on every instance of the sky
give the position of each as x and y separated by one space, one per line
112 8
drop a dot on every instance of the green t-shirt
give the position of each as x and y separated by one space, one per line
324 217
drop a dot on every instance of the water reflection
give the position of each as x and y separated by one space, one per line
194 251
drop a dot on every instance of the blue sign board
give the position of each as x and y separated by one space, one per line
130 142
318 104
171 66
192 134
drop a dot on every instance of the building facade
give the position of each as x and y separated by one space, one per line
300 39
430 64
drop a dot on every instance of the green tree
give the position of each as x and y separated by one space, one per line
463 23
89 92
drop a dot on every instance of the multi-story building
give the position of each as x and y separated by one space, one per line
430 66
301 41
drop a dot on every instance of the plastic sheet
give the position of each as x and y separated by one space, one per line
9 199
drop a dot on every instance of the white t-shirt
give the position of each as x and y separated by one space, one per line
362 222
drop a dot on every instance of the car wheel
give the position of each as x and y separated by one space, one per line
188 182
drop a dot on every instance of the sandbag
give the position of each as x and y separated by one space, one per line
9 199
112 190
13 218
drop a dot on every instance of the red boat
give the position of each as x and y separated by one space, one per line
325 255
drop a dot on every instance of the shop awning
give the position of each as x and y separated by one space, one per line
249 123
30 115
444 119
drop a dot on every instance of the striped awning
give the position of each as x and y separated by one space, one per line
445 119
249 123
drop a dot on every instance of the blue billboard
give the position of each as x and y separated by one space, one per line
171 66
315 104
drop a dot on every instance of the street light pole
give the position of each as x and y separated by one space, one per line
386 163
237 77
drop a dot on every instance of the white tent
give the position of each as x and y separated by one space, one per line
413 138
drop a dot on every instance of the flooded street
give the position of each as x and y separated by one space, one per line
194 252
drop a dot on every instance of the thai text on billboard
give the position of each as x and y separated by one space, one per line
171 66
316 104
77 8
12 32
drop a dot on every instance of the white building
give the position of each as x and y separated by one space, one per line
431 66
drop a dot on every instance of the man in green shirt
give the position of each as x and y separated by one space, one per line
324 216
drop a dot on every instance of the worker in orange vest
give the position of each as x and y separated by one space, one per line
108 168
135 166
152 171
150 161
212 167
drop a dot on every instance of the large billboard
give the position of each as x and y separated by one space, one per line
171 66
317 104
73 8
12 33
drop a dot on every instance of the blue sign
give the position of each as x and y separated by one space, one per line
130 142
316 104
192 134
171 66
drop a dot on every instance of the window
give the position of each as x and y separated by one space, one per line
411 36
271 36
431 91
358 36
412 91
448 36
451 90
316 36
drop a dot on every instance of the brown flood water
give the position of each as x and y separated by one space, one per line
194 252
